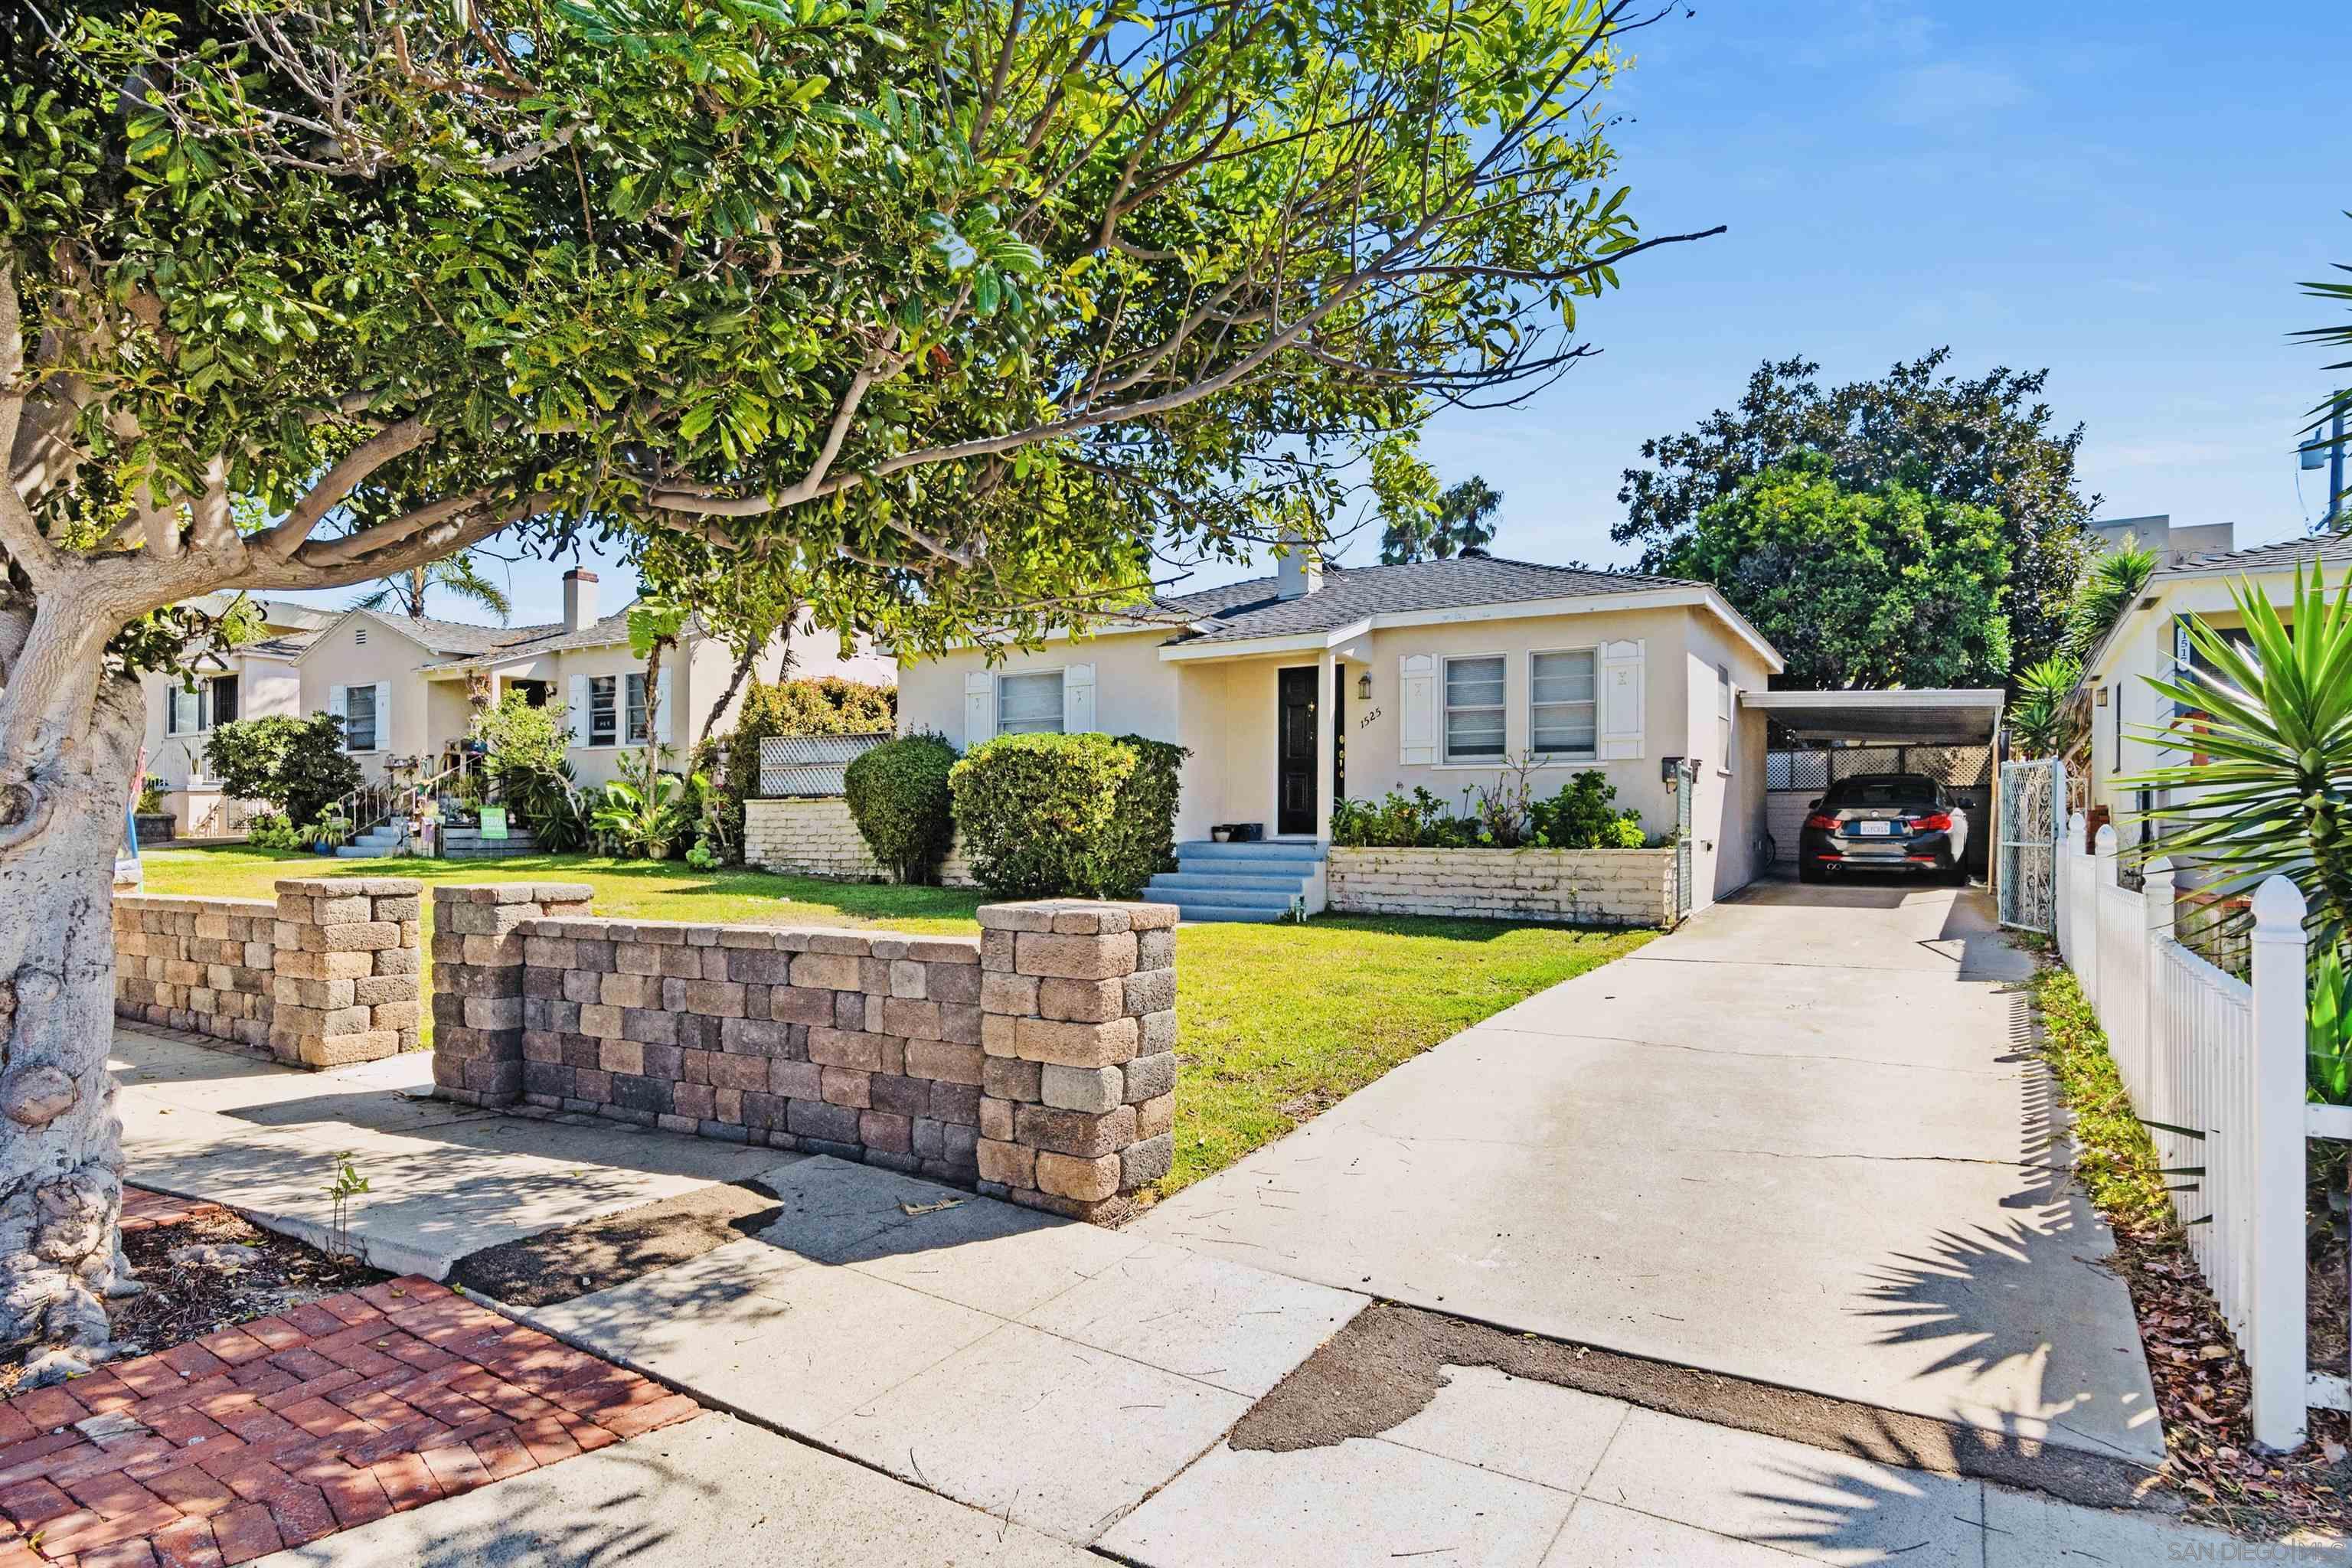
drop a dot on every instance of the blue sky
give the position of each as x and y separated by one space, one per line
2126 194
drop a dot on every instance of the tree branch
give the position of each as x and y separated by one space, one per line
392 441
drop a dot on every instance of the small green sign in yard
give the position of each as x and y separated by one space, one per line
494 822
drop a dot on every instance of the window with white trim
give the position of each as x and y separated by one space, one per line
1029 704
1723 717
634 691
359 719
1475 711
1563 709
604 726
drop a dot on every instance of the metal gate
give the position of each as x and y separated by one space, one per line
2032 797
1684 788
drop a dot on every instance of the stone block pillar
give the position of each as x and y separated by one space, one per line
1078 1028
345 963
477 983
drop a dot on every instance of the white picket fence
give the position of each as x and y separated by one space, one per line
2215 1065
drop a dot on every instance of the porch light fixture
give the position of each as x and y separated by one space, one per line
1364 686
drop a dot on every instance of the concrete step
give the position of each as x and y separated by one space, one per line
1270 849
365 851
1230 881
1230 898
1190 906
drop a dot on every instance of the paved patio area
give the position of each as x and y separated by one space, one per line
1802 1141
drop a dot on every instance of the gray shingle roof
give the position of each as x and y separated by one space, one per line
528 642
2334 549
1252 609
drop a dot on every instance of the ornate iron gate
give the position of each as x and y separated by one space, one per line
2033 799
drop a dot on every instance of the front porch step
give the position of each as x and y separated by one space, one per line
1224 897
1230 882
1265 849
1189 907
363 851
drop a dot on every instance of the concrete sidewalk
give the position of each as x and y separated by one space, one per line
995 1385
443 1181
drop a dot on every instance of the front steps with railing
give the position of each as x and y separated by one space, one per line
384 839
1260 881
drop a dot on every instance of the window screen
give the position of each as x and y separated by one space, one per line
1563 713
1473 710
1029 704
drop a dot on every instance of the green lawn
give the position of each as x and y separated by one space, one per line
1277 1022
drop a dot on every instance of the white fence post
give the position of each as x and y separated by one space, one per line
2070 904
2276 1350
2103 877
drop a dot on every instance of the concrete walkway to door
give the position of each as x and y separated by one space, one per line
1801 1141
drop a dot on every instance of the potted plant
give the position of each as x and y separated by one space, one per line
330 832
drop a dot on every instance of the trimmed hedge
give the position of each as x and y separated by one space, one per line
1087 815
898 794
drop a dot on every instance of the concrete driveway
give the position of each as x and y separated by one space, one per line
1799 1141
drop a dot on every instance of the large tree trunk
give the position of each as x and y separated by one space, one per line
64 783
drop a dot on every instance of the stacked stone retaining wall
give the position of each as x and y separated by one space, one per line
1576 886
326 973
1035 1061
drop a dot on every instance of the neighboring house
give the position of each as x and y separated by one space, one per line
1314 684
249 681
404 688
2151 639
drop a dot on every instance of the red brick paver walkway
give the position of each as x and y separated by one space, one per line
144 1210
289 1427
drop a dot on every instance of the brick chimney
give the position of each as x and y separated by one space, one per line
578 599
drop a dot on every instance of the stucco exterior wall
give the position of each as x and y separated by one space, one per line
1727 812
264 686
389 655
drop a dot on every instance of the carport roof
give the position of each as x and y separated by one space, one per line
1930 716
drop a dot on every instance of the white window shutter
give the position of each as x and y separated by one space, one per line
1417 704
657 722
1077 698
576 710
1623 699
979 709
384 715
339 704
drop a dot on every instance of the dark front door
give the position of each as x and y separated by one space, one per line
1295 797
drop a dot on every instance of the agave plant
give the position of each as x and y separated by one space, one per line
2272 794
2037 719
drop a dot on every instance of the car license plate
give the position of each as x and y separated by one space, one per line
1874 829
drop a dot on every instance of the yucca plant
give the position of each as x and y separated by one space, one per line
2037 720
2272 797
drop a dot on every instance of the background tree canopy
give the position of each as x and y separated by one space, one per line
1986 441
1878 587
1455 525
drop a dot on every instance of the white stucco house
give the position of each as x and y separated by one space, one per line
2151 640
1322 683
404 688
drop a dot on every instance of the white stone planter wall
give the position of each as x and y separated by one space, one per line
1577 887
816 836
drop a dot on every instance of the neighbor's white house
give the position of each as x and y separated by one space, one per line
1319 683
2195 572
403 687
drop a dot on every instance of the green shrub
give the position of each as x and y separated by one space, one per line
270 830
900 796
1418 821
1580 817
1141 839
1048 814
298 766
